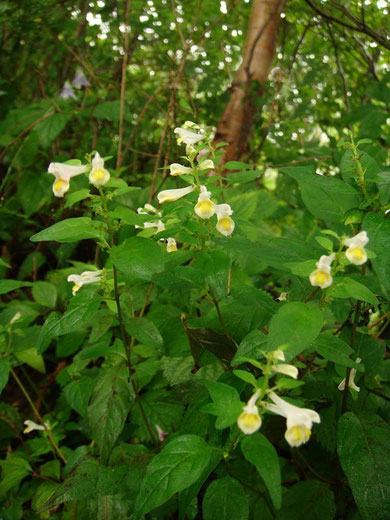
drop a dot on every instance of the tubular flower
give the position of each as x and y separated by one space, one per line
206 165
276 355
356 253
299 420
225 224
171 195
250 421
351 382
159 225
63 173
321 277
31 426
187 137
80 80
177 169
83 279
171 245
67 91
98 175
204 208
288 370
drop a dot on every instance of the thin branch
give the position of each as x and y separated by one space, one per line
339 68
123 84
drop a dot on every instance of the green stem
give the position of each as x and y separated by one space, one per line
127 342
359 168
37 414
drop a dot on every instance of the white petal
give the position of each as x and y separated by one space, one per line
288 370
177 169
171 195
206 165
65 171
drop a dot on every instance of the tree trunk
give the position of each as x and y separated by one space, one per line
259 50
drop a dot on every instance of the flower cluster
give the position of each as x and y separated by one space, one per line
63 172
355 254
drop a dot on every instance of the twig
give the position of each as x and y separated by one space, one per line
310 295
339 68
123 85
348 373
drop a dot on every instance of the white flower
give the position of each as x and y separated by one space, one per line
225 224
187 137
299 420
98 175
321 277
159 225
31 425
277 355
63 173
80 80
351 382
147 209
250 420
178 169
269 178
16 317
356 253
204 208
171 195
67 91
160 432
83 279
206 165
288 370
171 245
282 296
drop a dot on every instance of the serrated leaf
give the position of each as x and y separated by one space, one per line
138 258
362 446
225 499
176 467
69 230
260 452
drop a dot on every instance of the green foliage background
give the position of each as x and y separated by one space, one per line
187 311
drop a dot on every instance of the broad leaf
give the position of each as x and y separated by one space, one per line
225 499
138 258
69 230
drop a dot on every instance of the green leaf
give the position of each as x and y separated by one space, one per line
51 127
69 230
214 267
326 243
250 347
206 340
243 177
363 448
336 350
311 500
236 165
76 196
260 452
226 404
296 324
109 407
14 469
145 332
349 288
225 499
325 197
138 258
176 467
10 285
32 358
5 369
77 393
45 293
127 216
378 231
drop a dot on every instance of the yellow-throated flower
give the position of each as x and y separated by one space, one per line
83 279
299 420
31 426
171 245
322 277
171 195
177 169
187 137
205 208
351 382
356 253
63 173
98 175
250 420
225 224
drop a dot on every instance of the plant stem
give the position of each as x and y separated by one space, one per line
310 295
47 430
348 373
127 342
